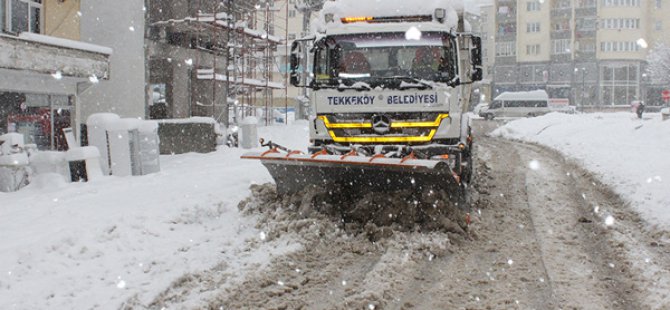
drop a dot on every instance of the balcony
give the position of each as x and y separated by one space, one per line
560 34
563 12
586 12
581 34
585 55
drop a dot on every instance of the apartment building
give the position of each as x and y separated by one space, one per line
45 70
292 22
591 52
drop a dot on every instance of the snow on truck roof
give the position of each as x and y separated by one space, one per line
540 95
394 8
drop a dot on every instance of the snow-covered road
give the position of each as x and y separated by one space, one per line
177 238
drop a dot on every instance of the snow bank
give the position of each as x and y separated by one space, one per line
629 154
99 244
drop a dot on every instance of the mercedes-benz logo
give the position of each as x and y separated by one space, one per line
381 124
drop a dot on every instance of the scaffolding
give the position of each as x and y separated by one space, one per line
236 45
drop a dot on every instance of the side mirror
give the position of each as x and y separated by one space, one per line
295 57
476 59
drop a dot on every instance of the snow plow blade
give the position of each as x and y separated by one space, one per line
294 171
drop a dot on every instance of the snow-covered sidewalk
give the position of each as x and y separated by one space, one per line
98 244
631 155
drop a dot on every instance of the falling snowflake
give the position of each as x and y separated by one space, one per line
413 33
344 282
609 220
371 307
642 43
596 209
510 262
534 165
121 284
93 79
131 28
57 75
263 235
189 61
280 283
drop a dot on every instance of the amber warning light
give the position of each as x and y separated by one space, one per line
347 20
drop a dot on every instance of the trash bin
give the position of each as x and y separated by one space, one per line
14 170
84 163
128 146
248 134
96 127
145 148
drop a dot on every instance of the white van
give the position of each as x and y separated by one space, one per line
519 104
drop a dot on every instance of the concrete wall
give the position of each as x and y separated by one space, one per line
119 25
61 19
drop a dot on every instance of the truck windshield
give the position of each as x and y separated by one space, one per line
385 59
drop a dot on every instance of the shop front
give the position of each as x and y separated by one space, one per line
41 83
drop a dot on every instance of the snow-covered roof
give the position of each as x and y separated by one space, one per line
34 37
524 95
220 19
208 74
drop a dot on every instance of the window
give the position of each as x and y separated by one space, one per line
620 23
658 4
504 49
561 46
533 6
619 46
659 25
533 49
22 15
621 2
586 24
291 13
291 36
587 3
533 27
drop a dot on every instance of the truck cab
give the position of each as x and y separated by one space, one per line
384 81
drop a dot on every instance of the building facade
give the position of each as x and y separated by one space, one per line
591 52
210 58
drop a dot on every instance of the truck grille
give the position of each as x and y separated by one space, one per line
377 128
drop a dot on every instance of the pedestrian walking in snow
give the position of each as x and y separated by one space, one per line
640 109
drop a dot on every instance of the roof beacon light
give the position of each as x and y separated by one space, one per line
347 20
440 15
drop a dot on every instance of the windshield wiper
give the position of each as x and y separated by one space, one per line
343 84
421 83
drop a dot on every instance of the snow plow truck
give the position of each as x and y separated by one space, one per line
390 86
